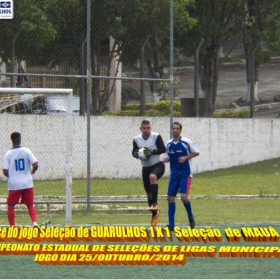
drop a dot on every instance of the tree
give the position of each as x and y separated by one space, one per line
218 21
146 41
105 27
25 32
49 33
147 38
261 28
53 32
270 34
132 25
68 48
250 43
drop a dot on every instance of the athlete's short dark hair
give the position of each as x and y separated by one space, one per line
15 135
145 122
177 123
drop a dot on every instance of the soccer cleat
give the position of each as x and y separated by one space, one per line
47 222
154 219
35 225
192 223
153 207
171 228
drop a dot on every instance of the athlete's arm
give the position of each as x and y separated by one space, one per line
160 146
193 152
192 155
34 167
165 157
6 173
135 150
184 158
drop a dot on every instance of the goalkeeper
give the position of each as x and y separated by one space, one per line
152 167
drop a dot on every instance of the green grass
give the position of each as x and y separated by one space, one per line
207 212
252 179
258 179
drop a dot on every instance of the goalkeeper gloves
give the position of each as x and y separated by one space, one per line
150 152
135 153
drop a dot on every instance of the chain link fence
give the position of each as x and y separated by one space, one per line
114 54
110 53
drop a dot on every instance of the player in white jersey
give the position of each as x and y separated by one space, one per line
19 164
152 168
179 151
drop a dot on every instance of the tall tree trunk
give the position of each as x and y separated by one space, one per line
209 73
249 41
13 60
154 64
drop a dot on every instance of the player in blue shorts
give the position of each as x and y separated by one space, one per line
179 151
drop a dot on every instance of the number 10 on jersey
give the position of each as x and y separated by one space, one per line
20 165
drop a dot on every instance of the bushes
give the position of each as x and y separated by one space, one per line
159 109
162 106
241 114
131 113
162 109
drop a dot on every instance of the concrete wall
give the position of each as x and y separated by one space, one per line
222 143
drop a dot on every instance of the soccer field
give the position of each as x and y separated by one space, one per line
220 214
21 266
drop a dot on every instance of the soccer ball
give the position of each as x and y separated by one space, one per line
144 153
